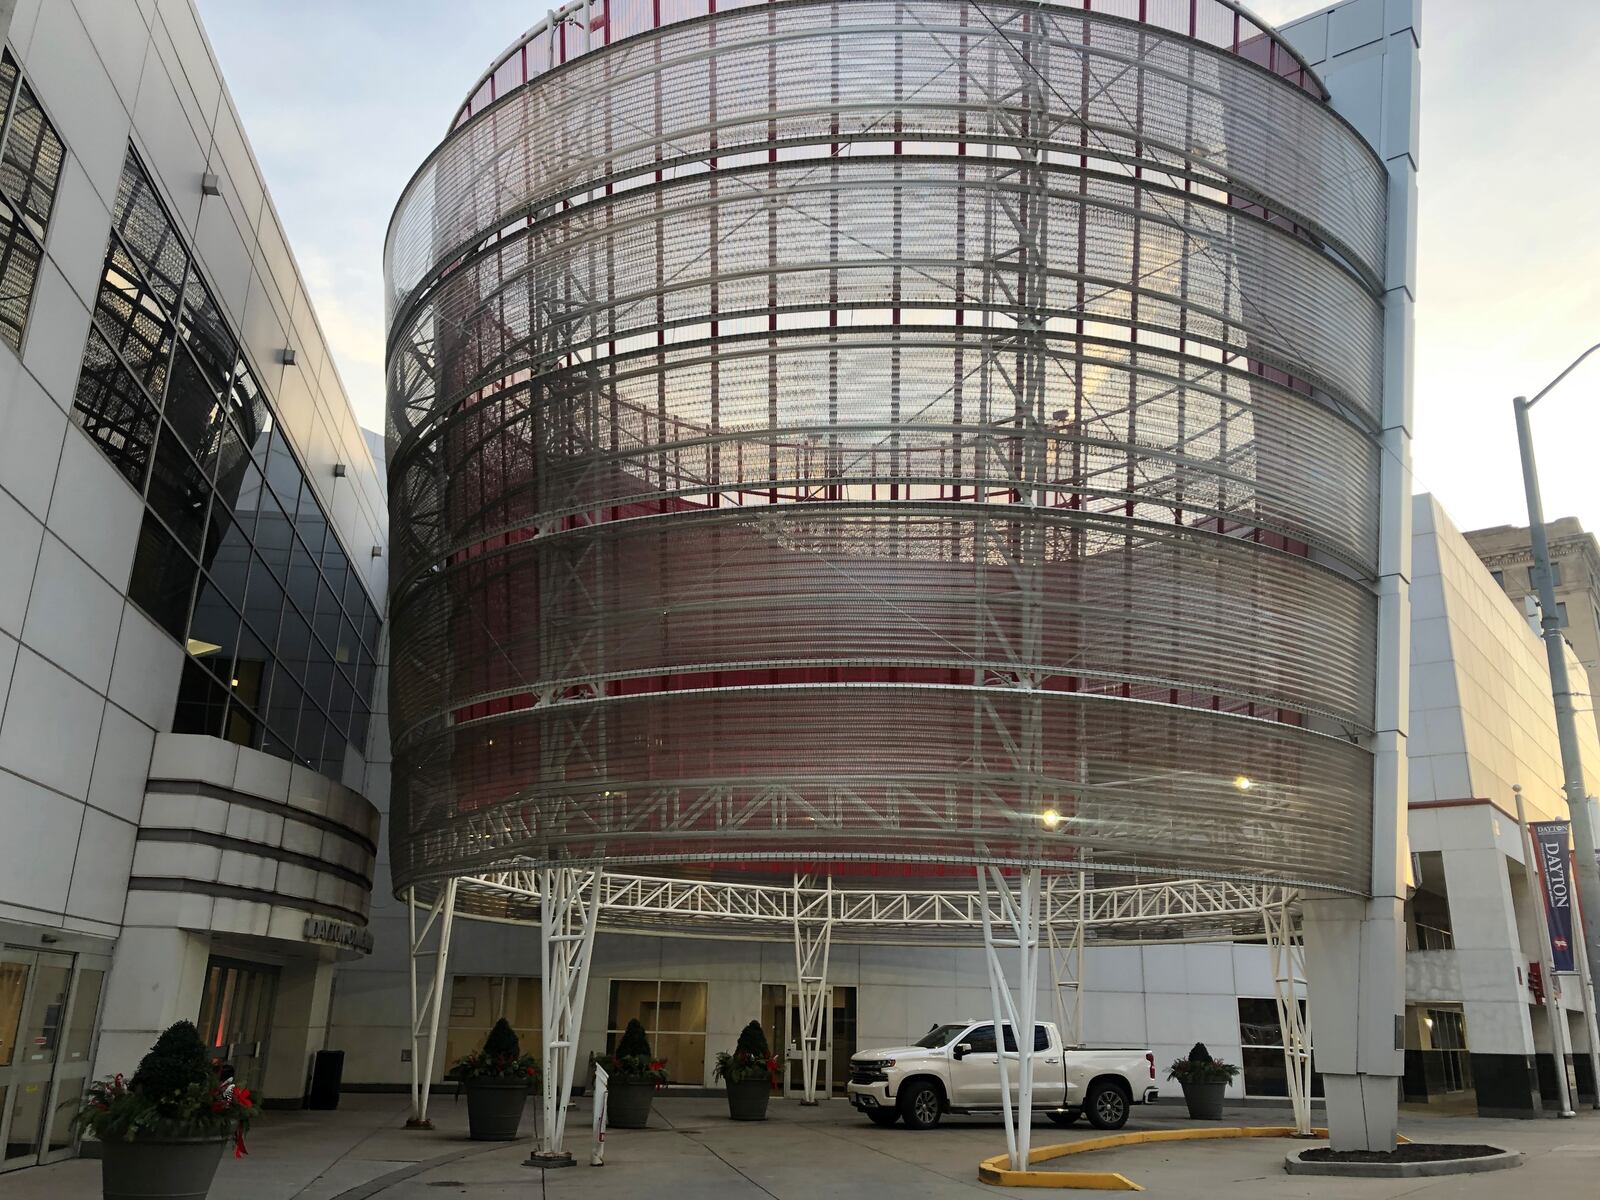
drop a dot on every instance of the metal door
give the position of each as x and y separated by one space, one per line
236 1015
49 1003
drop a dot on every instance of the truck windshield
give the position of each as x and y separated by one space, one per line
939 1035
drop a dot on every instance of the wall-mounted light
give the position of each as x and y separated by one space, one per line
377 552
210 185
338 470
286 356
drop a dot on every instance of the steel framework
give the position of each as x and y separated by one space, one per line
440 916
875 436
1288 987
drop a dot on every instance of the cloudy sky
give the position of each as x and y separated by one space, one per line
342 99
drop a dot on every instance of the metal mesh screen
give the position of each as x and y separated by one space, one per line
872 432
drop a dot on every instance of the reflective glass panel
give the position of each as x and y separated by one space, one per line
163 577
114 411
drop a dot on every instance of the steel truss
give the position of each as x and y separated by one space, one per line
569 912
1066 964
1016 914
1288 947
425 1014
813 936
1165 910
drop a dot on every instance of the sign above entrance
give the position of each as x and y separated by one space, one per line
338 933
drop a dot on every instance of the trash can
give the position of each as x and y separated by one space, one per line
327 1070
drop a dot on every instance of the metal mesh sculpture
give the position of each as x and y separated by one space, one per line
883 437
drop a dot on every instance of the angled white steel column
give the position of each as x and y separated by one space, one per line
569 909
1288 950
1019 912
1066 963
813 934
425 1017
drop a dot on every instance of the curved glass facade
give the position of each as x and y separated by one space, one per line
877 436
236 557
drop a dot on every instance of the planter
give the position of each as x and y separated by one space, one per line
494 1108
628 1103
1204 1100
747 1101
159 1168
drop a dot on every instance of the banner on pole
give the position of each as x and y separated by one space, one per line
1555 870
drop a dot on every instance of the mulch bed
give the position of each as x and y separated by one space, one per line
1411 1152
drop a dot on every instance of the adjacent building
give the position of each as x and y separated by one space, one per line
1575 567
192 582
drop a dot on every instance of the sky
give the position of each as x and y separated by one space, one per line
343 99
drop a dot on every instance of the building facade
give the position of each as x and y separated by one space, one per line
192 531
1575 560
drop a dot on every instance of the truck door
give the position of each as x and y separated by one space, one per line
975 1078
1049 1073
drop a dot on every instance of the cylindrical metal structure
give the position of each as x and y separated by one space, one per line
888 436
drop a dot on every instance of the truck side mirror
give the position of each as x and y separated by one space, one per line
961 1051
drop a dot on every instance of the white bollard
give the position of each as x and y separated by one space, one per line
598 1158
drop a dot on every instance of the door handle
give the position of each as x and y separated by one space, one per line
1050 1061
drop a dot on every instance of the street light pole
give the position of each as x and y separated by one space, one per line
1583 841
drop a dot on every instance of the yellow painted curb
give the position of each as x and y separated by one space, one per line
996 1169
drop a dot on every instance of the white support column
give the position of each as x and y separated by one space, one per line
1288 951
569 909
1019 912
425 1017
1066 963
813 934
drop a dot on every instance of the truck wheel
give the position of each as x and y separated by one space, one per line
1107 1105
883 1116
1063 1119
919 1105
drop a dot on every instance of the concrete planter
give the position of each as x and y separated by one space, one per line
494 1108
1204 1100
628 1103
159 1168
747 1101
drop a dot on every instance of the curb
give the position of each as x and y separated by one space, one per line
1506 1159
997 1171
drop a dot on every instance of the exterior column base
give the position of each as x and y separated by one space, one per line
1507 1085
1363 1111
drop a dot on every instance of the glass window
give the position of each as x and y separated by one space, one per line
341 704
142 221
1561 613
133 321
263 602
214 632
31 164
114 411
252 671
283 712
329 615
981 1039
179 493
312 731
240 490
673 1013
227 552
274 536
358 727
194 410
206 333
19 269
201 701
163 577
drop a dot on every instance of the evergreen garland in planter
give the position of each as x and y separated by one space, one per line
1203 1079
497 1081
633 1073
751 1072
162 1132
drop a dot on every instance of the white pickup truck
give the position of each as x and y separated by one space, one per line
955 1068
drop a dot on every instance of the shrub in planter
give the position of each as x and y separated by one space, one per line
1203 1080
751 1072
497 1080
162 1132
633 1075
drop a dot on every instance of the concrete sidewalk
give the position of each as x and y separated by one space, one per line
361 1152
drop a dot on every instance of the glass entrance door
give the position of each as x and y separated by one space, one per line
838 1042
236 1015
49 1003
